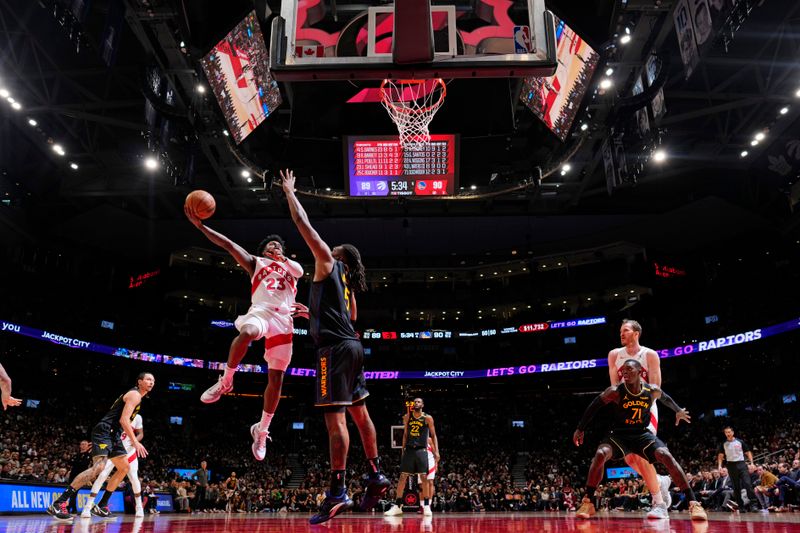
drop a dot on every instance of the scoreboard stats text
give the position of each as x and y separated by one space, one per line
380 166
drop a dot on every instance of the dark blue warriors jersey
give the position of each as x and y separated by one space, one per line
329 308
417 436
113 415
633 410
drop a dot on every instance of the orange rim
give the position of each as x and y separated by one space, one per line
421 110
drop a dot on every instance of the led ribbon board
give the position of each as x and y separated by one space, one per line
580 364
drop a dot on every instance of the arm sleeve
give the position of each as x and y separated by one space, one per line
294 268
595 406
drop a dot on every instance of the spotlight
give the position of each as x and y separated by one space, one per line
660 156
32 122
151 163
73 166
200 88
473 187
584 126
245 173
606 83
57 148
249 180
567 167
5 94
10 99
16 106
784 110
797 94
225 133
754 142
328 189
760 136
625 39
744 153
609 71
183 44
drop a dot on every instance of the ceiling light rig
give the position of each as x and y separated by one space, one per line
33 123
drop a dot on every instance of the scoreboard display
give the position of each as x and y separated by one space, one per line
380 166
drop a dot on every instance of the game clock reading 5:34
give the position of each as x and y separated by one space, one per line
380 166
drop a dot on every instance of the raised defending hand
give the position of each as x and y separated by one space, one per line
299 310
577 437
287 179
10 401
683 414
191 216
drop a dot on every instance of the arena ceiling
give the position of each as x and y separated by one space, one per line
111 202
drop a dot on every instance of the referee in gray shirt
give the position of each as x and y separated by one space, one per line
734 451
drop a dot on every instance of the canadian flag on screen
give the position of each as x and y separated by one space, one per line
309 51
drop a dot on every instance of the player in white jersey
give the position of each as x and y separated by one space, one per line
273 286
426 480
133 472
629 334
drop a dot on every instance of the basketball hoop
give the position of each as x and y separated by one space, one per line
411 105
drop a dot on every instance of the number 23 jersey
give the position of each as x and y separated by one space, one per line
274 284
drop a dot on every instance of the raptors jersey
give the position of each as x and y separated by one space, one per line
127 441
274 284
640 357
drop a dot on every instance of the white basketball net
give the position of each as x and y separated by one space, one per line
411 105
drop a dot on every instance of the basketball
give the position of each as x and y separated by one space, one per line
201 203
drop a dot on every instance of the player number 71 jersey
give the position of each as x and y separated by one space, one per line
274 284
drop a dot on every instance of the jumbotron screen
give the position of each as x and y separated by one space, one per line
556 99
380 166
237 69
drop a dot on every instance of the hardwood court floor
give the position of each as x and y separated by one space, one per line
439 523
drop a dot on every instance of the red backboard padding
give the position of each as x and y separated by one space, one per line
413 32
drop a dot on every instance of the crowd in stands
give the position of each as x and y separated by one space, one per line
474 474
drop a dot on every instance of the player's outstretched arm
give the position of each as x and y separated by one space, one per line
607 396
242 256
323 259
680 414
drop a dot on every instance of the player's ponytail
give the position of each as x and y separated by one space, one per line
356 276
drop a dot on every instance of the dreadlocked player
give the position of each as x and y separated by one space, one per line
341 386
